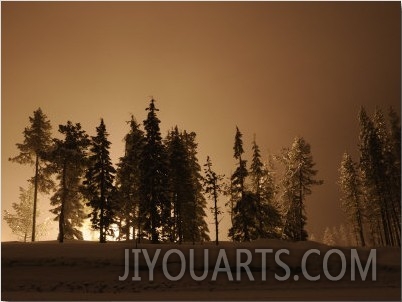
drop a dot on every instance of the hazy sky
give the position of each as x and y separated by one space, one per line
274 69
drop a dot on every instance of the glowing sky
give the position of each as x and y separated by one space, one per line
274 69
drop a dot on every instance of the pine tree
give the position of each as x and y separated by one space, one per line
37 143
128 179
99 188
212 187
393 159
68 160
245 202
267 217
199 228
188 222
20 223
296 183
376 163
155 206
181 188
351 199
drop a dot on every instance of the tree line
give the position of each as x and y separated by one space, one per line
371 187
158 193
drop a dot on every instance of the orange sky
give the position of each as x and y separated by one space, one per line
274 69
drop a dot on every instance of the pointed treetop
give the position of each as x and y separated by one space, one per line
238 146
152 106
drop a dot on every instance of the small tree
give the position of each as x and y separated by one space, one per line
328 238
37 143
212 188
20 223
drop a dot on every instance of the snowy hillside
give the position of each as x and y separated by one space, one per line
90 271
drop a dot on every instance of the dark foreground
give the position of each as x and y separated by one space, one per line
90 271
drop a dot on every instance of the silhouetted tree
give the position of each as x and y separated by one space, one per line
244 210
199 227
68 161
297 181
268 219
212 187
188 203
154 205
128 179
37 143
99 188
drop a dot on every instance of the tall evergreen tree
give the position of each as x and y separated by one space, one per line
68 160
377 166
244 210
37 143
154 206
267 217
188 203
213 188
99 188
297 182
128 179
181 188
351 199
199 229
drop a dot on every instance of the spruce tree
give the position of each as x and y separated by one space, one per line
351 198
37 143
212 187
296 183
128 179
154 206
244 210
68 161
99 188
267 217
181 188
199 228
185 188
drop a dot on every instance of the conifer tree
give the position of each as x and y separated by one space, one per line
99 188
20 223
128 179
296 183
37 143
212 187
328 238
154 205
267 217
199 226
188 223
379 166
68 161
351 199
181 187
244 210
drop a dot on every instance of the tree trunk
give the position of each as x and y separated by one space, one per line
63 202
216 215
35 197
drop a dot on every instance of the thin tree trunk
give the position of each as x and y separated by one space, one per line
35 197
63 202
216 215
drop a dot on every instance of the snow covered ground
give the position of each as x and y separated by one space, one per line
84 270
